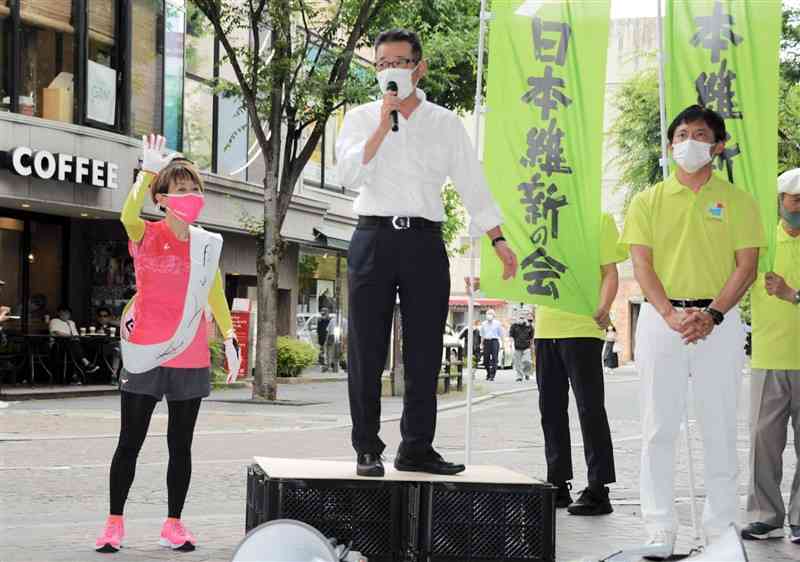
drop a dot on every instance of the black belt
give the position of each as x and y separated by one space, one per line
398 223
699 303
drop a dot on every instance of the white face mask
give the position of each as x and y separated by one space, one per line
401 77
691 155
490 317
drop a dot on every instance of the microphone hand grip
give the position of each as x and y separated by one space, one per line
392 87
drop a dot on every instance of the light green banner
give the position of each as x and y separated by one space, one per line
543 148
724 55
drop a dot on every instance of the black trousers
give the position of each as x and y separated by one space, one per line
383 263
576 362
491 349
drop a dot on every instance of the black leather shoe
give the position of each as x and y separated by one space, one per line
563 497
432 464
369 464
591 502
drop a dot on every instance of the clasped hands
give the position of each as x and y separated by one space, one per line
693 324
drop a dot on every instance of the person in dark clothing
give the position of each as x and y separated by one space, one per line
323 324
476 343
522 334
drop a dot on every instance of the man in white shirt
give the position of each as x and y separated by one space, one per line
398 247
492 335
64 327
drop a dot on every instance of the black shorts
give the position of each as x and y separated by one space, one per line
174 383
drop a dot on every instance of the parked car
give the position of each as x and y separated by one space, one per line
505 357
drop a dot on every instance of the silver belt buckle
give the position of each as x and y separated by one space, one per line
401 223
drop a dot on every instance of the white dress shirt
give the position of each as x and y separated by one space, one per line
406 176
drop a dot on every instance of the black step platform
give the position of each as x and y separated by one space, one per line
485 514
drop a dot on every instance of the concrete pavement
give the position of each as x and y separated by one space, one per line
54 457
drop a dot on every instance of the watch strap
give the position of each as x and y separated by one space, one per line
715 314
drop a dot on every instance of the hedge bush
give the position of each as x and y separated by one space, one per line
294 356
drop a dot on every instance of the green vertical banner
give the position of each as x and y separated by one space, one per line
724 55
543 148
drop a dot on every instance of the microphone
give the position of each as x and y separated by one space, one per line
392 87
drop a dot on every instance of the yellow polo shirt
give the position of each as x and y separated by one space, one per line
776 323
694 236
552 323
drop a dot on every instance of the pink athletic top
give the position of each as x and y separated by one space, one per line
162 278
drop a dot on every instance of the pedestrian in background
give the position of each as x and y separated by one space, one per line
521 332
492 336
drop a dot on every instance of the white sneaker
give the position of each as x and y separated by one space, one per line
660 546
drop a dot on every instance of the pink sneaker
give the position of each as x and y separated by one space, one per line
176 536
113 533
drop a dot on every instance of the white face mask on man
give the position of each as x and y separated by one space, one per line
401 77
691 155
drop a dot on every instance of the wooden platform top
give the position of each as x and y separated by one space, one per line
346 470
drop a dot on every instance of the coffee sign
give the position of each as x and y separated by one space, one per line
45 165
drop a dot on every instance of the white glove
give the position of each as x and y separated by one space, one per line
153 158
234 360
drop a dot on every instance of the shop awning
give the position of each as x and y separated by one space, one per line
464 301
334 237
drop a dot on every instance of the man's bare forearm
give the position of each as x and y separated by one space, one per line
646 276
739 282
608 286
373 144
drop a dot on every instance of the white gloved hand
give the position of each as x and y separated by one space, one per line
234 359
153 158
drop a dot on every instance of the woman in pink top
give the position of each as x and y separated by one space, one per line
161 252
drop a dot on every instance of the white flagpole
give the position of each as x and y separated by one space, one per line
665 171
484 16
661 95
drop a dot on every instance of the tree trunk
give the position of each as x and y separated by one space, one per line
265 384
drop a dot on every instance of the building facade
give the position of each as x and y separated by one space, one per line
80 82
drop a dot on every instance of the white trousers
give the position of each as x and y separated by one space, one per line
664 363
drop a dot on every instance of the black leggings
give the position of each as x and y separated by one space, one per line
135 419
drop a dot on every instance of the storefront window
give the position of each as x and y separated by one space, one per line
174 24
46 267
11 233
101 70
198 123
320 283
47 48
113 277
148 66
5 26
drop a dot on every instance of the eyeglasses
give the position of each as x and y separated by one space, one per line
397 63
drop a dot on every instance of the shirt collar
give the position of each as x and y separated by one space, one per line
672 186
783 236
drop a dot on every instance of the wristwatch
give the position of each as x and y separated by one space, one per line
796 299
716 315
498 239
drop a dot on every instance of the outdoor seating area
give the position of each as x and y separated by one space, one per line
42 359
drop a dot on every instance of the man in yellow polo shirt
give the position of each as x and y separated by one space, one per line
775 381
694 242
569 351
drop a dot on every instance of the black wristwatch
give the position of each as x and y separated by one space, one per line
796 299
496 240
716 315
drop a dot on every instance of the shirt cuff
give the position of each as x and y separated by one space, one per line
484 221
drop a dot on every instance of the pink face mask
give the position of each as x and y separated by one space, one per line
186 207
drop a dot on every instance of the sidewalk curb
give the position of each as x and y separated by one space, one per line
478 400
